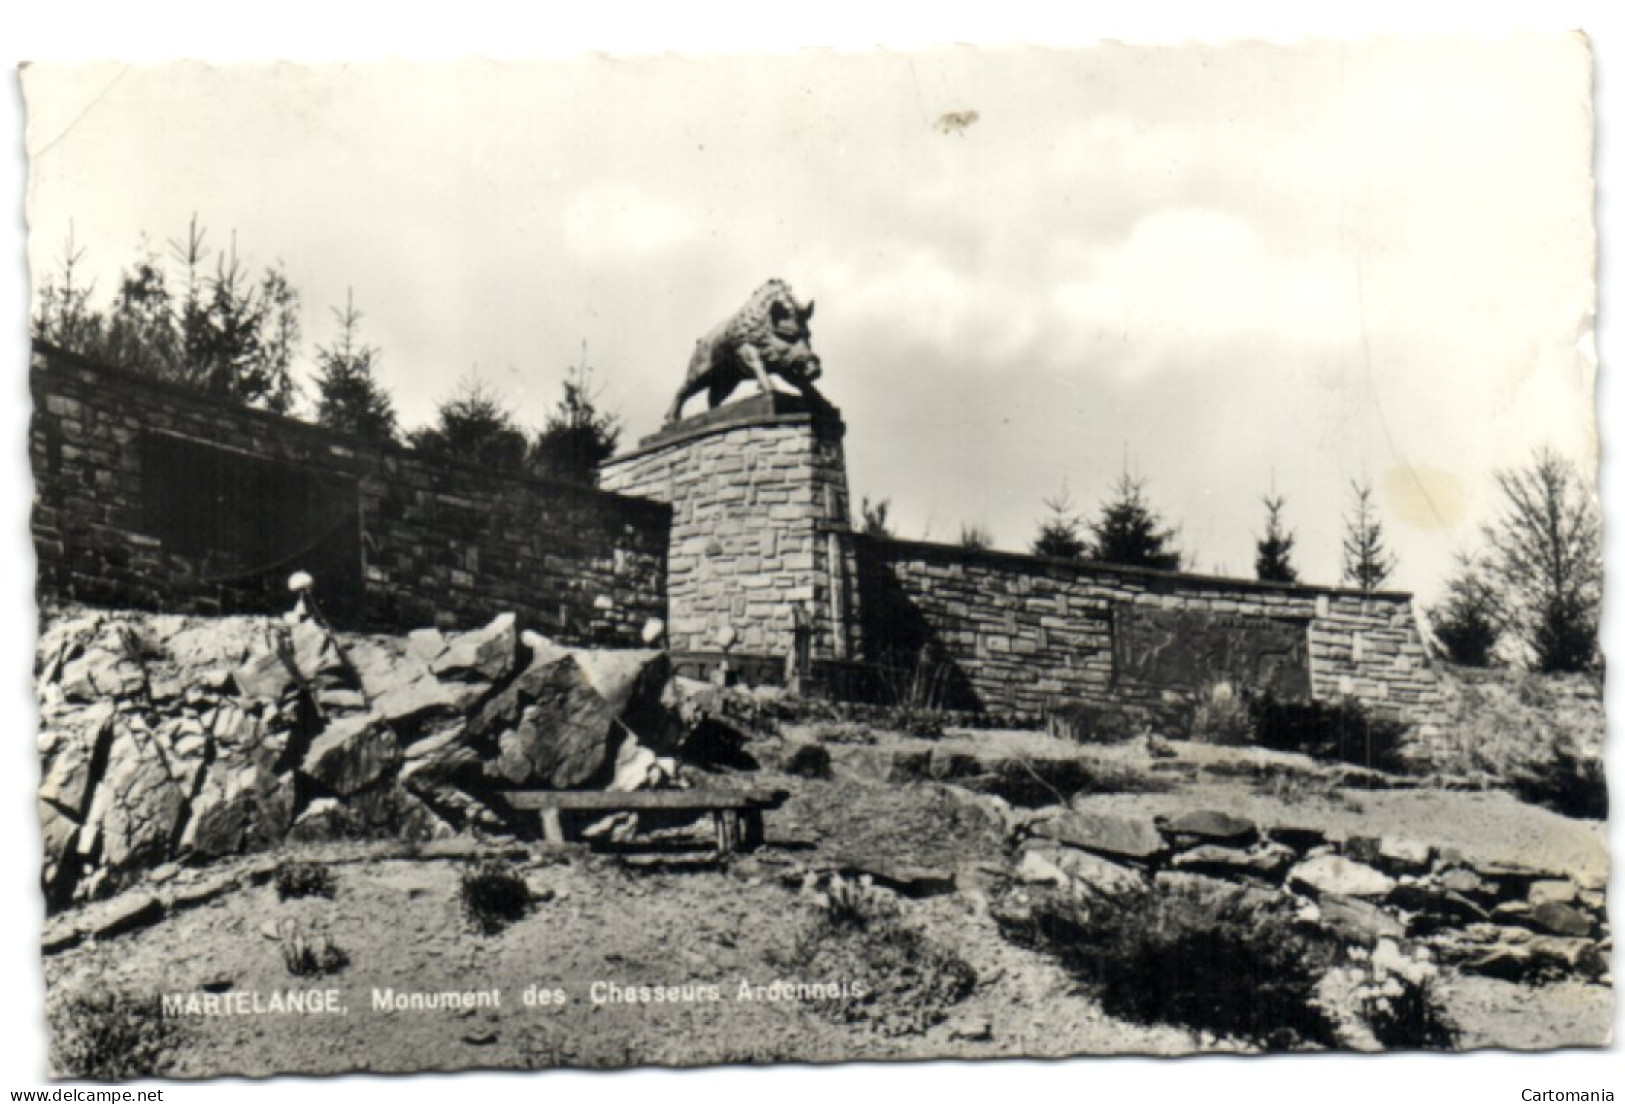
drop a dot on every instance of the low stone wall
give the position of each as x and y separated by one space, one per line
152 496
1019 634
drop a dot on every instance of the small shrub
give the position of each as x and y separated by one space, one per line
855 906
1568 782
303 879
494 895
1327 730
809 761
310 954
1221 716
903 983
1407 1015
921 721
1187 955
110 1036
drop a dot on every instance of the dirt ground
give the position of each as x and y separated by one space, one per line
596 919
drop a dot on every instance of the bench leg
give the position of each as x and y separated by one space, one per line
752 835
723 820
552 826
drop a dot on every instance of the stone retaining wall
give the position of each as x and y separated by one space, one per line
1019 634
151 495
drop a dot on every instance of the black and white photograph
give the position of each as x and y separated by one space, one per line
804 556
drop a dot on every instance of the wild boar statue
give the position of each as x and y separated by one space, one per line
767 336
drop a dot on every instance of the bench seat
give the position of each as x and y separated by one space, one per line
737 815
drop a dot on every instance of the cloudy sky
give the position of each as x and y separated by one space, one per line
1222 267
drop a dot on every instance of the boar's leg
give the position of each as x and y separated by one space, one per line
690 387
752 360
721 388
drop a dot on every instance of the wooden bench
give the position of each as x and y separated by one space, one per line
737 816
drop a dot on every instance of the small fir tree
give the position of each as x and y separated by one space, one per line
348 395
473 427
578 436
1130 533
1367 563
1274 560
1469 621
1058 533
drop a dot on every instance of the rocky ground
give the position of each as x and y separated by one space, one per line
897 862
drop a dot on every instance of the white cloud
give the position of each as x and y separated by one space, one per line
617 223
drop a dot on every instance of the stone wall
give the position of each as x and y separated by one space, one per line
759 509
1018 634
150 495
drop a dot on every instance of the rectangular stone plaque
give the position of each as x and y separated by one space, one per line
1157 649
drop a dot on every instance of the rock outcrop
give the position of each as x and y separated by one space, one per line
173 738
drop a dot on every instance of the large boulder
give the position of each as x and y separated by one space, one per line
237 809
268 676
351 753
140 801
68 751
484 655
101 674
552 728
317 658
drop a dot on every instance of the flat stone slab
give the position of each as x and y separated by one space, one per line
1094 872
123 913
1558 891
1103 834
1559 919
1265 862
1358 920
1210 824
1333 874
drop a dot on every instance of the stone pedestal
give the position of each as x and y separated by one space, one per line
760 511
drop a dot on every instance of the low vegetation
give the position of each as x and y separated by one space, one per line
1326 730
494 895
1198 958
1540 736
900 982
102 1035
303 879
308 953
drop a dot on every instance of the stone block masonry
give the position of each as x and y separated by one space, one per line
1017 634
759 508
150 495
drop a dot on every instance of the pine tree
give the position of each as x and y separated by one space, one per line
1058 534
1367 563
349 397
141 331
1274 561
1469 621
1129 532
65 318
578 437
473 427
1546 560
